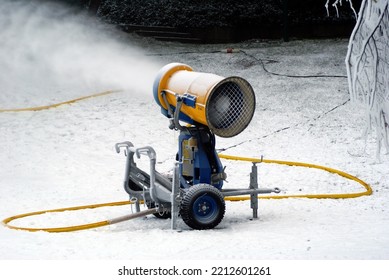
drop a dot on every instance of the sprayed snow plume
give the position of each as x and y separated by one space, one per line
47 46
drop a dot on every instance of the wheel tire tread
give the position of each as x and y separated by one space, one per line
189 198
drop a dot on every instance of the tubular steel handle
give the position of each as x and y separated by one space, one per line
147 150
125 144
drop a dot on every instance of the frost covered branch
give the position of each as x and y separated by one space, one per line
367 64
335 5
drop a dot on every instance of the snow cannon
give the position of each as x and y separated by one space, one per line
225 105
209 105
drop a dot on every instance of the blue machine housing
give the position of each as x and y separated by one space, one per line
200 162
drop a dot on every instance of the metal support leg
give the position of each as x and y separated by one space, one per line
254 185
175 197
137 206
135 201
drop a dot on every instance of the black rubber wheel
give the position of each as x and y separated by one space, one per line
202 207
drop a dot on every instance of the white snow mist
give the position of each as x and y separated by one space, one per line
47 47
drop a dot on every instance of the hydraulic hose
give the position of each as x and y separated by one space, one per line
45 107
64 229
368 191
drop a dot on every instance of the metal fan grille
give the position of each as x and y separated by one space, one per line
230 107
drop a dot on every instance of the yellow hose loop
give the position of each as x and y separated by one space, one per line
40 108
368 189
64 229
232 198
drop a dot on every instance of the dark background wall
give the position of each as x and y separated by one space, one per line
238 19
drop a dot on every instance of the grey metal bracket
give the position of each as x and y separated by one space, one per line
254 186
175 197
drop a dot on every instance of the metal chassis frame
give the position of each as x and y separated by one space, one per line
167 194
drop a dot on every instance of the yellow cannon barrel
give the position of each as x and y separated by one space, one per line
225 105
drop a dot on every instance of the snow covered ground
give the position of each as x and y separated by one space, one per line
65 156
